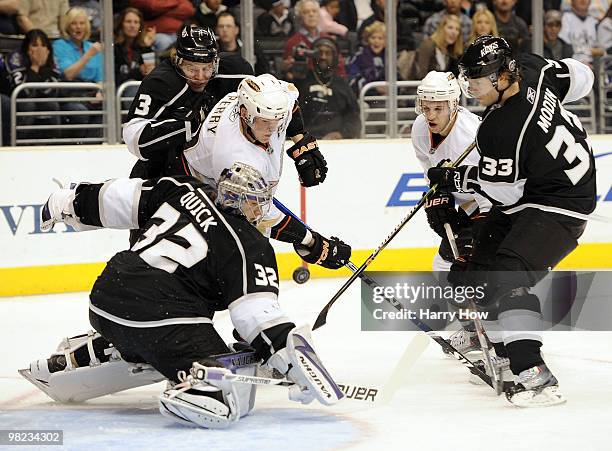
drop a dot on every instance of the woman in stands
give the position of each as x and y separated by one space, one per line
441 51
483 23
132 41
33 62
79 59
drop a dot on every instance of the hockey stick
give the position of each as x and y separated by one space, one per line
496 379
322 318
405 361
218 374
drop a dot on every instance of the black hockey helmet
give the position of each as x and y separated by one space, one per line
198 44
487 55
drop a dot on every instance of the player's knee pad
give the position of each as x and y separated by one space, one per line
299 361
62 380
210 403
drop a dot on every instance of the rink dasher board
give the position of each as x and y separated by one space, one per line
371 185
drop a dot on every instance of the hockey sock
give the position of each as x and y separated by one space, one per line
500 349
524 354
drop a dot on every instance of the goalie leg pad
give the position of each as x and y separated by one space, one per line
209 403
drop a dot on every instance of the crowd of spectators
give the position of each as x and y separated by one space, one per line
329 48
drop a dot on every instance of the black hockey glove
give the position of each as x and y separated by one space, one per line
440 209
461 179
330 253
193 117
309 162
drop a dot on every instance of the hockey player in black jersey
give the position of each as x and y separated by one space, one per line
173 100
537 168
155 302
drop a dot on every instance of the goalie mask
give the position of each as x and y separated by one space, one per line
482 64
438 100
242 189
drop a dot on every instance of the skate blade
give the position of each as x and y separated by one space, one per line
550 396
27 375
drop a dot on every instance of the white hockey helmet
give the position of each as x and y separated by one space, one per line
242 188
439 87
263 96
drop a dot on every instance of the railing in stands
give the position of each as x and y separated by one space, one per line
121 101
605 95
63 117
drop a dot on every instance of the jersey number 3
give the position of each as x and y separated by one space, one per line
165 254
144 101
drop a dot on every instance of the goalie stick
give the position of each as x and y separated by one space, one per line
322 318
425 329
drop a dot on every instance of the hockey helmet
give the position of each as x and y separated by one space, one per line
439 87
198 44
243 189
487 56
263 96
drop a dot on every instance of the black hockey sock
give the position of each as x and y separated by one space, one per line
500 349
524 354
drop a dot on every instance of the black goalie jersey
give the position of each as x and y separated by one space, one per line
535 153
191 259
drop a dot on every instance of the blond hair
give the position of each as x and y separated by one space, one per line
438 36
490 17
71 15
374 27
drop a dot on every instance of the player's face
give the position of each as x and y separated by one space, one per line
437 114
482 89
263 129
197 74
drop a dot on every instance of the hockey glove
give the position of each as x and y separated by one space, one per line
309 162
461 179
330 253
192 118
440 209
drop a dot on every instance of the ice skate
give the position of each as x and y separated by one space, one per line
536 387
501 366
464 341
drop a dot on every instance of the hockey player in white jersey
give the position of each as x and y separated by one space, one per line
250 126
441 132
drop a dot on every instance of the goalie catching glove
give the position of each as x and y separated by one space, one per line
332 253
309 162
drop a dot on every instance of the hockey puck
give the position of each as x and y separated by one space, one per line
301 275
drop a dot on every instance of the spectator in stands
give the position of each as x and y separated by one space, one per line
8 16
405 38
604 31
276 21
450 7
46 15
511 27
328 104
5 104
94 12
227 31
296 61
37 65
441 52
368 64
580 30
79 59
132 41
597 8
483 23
348 15
555 47
166 16
327 14
207 12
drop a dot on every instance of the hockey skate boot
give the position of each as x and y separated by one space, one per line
464 341
536 387
501 366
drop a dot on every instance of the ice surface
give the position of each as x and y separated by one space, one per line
434 409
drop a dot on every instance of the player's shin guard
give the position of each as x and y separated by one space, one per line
66 379
214 404
299 361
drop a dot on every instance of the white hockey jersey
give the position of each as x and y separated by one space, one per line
460 137
221 143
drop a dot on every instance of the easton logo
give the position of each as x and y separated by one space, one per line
488 49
